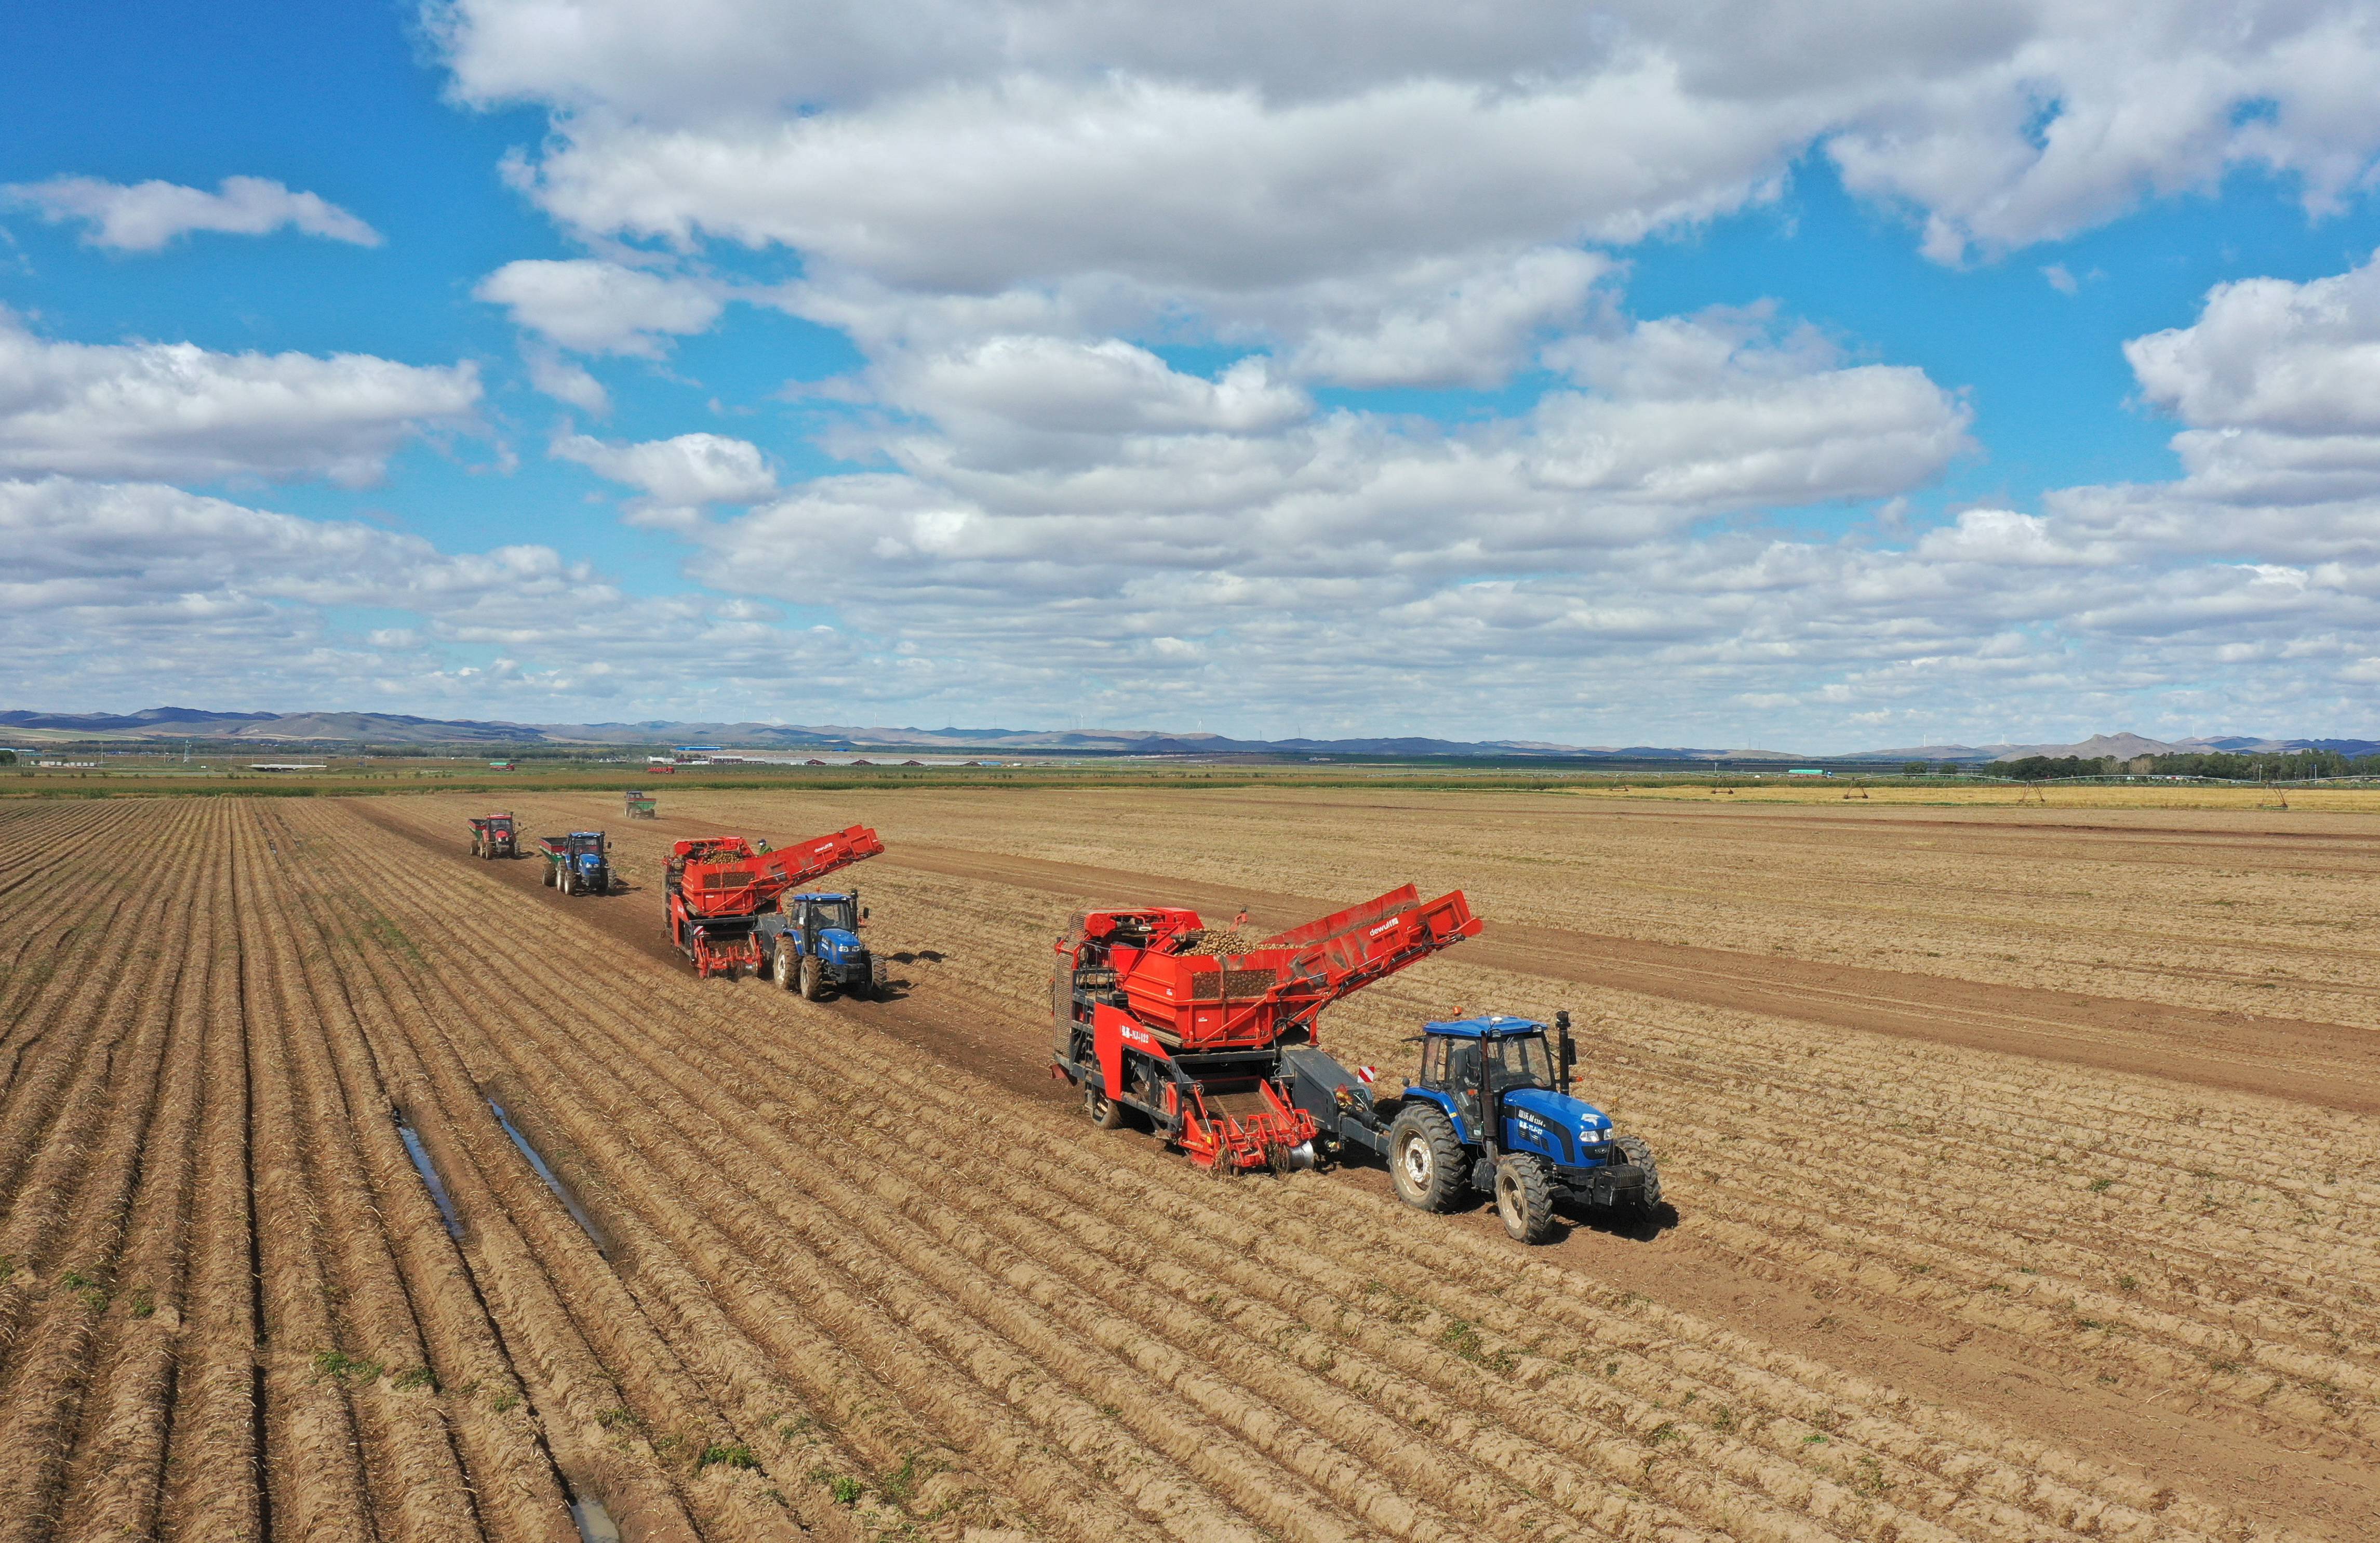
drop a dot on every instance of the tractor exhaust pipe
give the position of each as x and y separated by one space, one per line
1569 1047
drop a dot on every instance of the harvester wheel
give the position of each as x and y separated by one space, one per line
1425 1160
811 989
553 876
786 979
1640 1154
1524 1199
1106 1113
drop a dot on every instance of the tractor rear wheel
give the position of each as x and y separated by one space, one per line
1425 1160
811 988
1524 1199
784 971
1640 1155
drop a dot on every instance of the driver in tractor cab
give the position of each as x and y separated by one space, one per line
1458 1074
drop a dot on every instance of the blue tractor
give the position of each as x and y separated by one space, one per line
579 863
811 942
1490 1112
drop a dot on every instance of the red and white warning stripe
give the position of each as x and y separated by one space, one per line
1365 1075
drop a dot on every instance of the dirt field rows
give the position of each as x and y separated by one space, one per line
855 1269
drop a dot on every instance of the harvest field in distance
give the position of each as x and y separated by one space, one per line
2024 1164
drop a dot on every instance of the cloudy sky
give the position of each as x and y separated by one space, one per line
1714 374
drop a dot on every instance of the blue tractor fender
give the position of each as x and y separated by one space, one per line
1445 1104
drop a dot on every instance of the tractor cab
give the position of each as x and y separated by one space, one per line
820 915
1502 1080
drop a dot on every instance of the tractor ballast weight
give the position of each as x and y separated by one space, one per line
579 863
1490 1109
1145 1021
719 887
493 835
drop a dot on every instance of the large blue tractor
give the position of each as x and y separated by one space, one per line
811 942
1491 1111
579 863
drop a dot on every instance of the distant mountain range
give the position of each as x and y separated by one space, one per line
383 728
2123 746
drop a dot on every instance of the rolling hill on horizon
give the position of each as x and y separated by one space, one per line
164 723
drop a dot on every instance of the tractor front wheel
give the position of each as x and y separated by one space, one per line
1640 1156
1524 1199
811 988
1425 1160
784 971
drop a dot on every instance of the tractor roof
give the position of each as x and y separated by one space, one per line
1494 1027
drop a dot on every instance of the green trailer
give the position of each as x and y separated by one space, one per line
640 806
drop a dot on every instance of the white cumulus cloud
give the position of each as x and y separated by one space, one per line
676 476
146 217
177 410
600 308
937 145
114 588
564 381
2301 359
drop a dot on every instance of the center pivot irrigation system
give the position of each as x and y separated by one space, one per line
723 890
1218 1053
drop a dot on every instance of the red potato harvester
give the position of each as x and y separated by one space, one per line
720 887
1193 1042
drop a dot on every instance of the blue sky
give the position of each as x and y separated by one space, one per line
1964 374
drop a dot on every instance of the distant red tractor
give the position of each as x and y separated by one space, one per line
1151 1021
492 836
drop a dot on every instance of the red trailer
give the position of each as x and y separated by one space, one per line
1151 1018
719 887
492 836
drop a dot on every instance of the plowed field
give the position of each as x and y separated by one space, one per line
2026 1183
